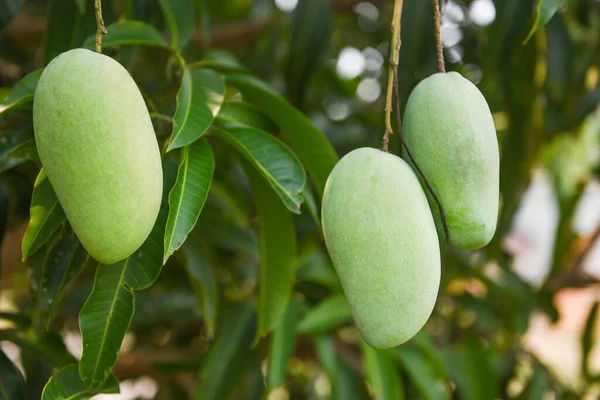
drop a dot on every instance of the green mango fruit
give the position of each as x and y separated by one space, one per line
98 148
383 243
449 130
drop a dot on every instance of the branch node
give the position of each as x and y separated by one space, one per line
101 29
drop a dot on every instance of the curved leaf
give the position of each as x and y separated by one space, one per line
312 147
198 102
129 33
104 320
544 11
179 15
587 340
66 384
328 315
420 372
64 259
246 114
16 147
277 254
275 161
144 266
23 91
189 193
46 215
382 374
282 347
12 383
203 281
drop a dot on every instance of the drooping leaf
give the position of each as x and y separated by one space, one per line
64 259
46 215
419 371
273 159
312 147
144 266
23 91
246 114
203 281
62 28
587 340
234 340
544 11
104 320
310 36
179 15
277 253
66 384
12 383
198 103
282 346
129 33
382 374
328 315
8 9
14 146
189 193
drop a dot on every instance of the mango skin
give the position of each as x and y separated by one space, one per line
382 240
98 148
449 130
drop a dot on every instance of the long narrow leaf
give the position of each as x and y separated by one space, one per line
420 371
12 383
189 193
198 103
312 147
23 91
282 346
46 216
277 253
179 15
66 384
328 315
104 320
275 161
587 339
545 10
382 374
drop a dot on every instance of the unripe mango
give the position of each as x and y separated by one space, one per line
382 240
98 148
449 130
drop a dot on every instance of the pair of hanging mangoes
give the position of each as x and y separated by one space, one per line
379 219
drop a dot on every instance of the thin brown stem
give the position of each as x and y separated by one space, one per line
412 159
438 36
101 30
394 57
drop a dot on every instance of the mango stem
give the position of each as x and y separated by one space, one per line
395 56
438 36
101 30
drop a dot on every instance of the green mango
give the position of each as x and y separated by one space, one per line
382 240
98 148
449 130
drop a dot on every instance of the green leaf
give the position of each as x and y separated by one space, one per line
179 15
277 254
198 102
62 28
329 314
64 259
66 384
80 5
153 307
282 346
544 12
234 340
203 281
46 347
104 320
23 91
246 114
273 159
12 383
8 9
312 147
46 216
539 384
382 374
420 372
587 340
434 358
310 36
189 193
129 33
314 265
15 146
144 266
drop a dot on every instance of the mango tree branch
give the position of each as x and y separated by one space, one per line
438 35
101 30
395 56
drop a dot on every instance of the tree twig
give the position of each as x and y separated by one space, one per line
101 30
438 36
395 56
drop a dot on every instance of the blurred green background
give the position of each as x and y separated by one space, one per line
515 320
